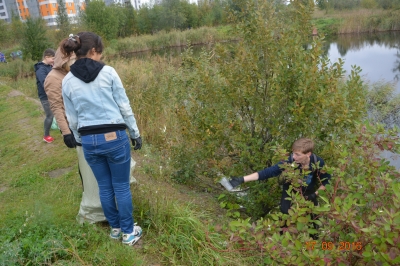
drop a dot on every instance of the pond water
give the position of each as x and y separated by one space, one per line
377 54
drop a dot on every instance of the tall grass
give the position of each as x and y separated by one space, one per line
164 39
38 212
359 20
15 69
152 100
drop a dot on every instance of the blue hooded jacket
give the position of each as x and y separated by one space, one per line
41 70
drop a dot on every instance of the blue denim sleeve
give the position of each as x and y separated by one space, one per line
269 172
122 101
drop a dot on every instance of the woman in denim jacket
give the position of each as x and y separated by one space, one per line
98 113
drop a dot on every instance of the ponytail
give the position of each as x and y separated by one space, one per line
81 44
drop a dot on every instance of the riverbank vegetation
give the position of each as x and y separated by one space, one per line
356 21
175 23
228 111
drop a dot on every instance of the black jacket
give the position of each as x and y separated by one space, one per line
313 179
41 70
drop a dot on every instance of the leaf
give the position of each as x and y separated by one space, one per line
303 220
298 244
235 223
367 254
390 241
221 196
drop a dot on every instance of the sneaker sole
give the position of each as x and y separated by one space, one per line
133 242
116 238
48 141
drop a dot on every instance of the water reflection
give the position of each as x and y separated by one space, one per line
378 54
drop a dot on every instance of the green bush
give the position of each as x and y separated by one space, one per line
17 69
236 102
358 216
327 26
34 40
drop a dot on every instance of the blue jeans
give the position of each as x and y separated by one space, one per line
109 157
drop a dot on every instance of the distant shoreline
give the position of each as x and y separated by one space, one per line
356 21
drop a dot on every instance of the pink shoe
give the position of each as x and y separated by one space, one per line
48 139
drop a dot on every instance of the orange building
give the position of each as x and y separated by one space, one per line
23 9
47 9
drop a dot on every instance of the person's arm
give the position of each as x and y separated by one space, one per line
52 87
122 101
41 74
251 177
264 174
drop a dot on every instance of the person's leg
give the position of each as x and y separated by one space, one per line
314 217
285 205
119 161
120 181
49 117
101 170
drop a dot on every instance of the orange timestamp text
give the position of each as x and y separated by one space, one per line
344 246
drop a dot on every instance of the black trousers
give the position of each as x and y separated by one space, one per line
286 204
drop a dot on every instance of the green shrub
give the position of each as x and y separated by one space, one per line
236 102
34 40
17 69
358 216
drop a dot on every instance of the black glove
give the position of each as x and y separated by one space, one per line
312 197
137 143
236 181
70 141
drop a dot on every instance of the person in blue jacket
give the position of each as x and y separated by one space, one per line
99 113
42 69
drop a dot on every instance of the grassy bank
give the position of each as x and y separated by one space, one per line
40 192
174 38
356 21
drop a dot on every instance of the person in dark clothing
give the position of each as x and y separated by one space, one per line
306 161
42 69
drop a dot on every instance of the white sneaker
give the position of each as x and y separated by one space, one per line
131 239
115 233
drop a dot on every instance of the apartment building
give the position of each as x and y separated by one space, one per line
47 9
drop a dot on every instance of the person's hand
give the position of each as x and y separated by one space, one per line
137 143
236 181
70 141
312 196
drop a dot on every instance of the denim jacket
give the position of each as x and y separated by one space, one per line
99 102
